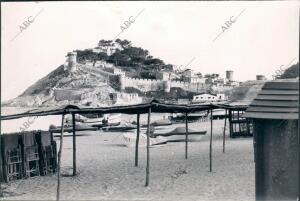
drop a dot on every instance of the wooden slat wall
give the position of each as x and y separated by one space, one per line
276 100
281 85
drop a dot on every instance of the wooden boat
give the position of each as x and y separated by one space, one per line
101 125
179 117
161 122
119 128
130 140
179 134
106 120
78 118
69 129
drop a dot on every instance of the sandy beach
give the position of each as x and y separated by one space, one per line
106 170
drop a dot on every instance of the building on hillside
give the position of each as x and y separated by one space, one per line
163 75
187 73
196 79
260 77
89 63
188 76
118 71
206 97
233 84
125 98
103 64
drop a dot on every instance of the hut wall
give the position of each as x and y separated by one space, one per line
276 159
46 152
1 167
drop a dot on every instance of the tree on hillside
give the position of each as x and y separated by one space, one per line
168 67
102 56
154 61
124 43
89 55
291 72
136 52
118 58
105 42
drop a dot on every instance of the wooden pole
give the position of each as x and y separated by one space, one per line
239 122
137 140
224 131
210 142
1 165
74 144
230 124
148 148
59 157
298 146
186 135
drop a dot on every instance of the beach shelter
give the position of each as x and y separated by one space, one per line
275 123
239 125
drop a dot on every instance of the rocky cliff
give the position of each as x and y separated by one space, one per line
61 87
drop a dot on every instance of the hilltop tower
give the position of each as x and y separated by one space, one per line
260 77
167 86
72 61
121 82
229 75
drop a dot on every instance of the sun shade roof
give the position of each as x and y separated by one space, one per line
277 99
155 106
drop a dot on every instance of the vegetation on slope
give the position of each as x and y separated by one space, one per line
135 60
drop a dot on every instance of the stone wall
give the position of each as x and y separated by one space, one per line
154 85
67 94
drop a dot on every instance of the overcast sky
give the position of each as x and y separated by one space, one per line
263 37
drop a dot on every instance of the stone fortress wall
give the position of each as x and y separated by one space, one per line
145 85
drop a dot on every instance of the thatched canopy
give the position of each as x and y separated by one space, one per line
155 106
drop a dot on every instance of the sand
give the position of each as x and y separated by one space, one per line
106 170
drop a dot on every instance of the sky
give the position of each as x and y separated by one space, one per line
261 38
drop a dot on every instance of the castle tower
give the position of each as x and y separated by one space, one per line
260 77
229 75
167 86
72 61
121 80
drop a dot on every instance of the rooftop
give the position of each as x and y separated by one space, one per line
277 99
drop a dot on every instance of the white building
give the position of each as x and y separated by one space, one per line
205 97
118 71
103 64
197 80
163 75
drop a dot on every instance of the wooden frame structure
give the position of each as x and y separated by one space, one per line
153 106
238 125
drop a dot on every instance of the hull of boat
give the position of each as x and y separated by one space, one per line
118 128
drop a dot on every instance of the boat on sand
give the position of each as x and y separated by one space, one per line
69 128
119 128
130 140
178 134
105 120
160 122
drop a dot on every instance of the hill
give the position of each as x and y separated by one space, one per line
61 87
246 92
